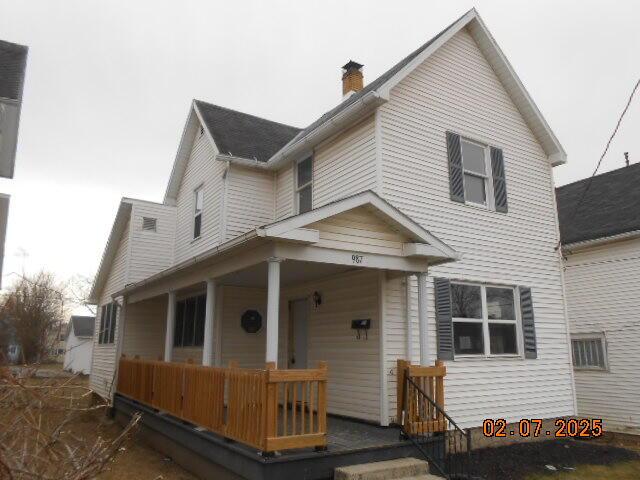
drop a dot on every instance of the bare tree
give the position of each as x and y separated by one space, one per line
35 308
78 290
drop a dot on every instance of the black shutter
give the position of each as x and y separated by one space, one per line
456 182
528 323
444 325
112 325
499 180
103 316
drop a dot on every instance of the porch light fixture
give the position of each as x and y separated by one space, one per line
317 299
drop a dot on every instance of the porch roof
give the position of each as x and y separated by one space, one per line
298 238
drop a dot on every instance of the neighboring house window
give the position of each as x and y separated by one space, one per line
60 351
198 196
189 327
149 224
484 320
589 352
304 184
108 316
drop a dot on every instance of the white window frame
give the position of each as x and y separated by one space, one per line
197 212
485 321
487 176
595 336
298 188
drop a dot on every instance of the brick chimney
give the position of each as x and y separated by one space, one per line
352 78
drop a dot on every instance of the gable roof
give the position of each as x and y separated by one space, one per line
610 207
381 86
122 217
401 222
13 62
242 135
82 325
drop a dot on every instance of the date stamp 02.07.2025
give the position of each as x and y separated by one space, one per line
533 427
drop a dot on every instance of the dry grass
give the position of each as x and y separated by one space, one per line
618 471
134 460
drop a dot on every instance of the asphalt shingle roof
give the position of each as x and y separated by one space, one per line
611 206
82 326
13 61
247 136
243 135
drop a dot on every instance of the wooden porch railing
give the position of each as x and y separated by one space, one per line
266 409
421 416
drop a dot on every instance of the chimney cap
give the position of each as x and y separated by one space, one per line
351 65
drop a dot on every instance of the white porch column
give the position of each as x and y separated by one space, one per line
408 320
171 320
209 321
273 308
422 318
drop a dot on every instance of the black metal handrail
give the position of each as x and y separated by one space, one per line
435 434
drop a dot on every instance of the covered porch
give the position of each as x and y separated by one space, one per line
263 340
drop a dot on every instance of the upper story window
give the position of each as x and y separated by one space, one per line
476 173
589 352
484 320
304 185
475 167
198 201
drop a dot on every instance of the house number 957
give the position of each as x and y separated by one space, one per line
357 258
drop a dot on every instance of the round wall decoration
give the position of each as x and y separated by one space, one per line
251 321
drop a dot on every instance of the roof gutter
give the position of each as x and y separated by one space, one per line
208 255
329 127
570 247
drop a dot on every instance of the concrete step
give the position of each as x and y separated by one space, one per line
401 468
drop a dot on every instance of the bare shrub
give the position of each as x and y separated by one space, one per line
38 439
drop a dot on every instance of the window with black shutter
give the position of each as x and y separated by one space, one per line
476 173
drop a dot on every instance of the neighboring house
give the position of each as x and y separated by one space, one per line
601 245
79 344
56 343
416 220
9 346
13 61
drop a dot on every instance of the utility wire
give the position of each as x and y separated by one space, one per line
606 149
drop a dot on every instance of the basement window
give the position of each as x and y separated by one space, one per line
304 185
198 196
589 351
149 224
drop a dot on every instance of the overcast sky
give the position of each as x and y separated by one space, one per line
109 84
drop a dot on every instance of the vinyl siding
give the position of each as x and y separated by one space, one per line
145 327
284 192
354 365
346 164
202 169
250 200
603 292
151 252
359 230
103 362
457 90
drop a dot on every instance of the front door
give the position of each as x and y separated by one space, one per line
298 333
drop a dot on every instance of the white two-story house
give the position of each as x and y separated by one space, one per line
416 220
